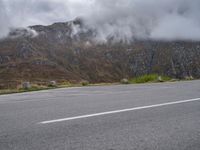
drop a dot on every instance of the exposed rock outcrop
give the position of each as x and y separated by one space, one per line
57 53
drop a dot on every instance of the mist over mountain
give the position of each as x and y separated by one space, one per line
121 20
68 52
108 41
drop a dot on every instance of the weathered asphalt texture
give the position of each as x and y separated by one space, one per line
173 127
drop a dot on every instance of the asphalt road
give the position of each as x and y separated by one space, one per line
125 117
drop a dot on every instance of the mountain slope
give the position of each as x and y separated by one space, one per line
59 52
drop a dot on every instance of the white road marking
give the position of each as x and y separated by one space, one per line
119 111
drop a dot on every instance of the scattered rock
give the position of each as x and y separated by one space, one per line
124 81
160 79
52 84
58 55
26 85
189 78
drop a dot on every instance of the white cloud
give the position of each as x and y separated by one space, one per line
121 19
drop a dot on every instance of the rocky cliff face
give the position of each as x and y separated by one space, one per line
61 52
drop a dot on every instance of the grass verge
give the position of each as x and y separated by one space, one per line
149 78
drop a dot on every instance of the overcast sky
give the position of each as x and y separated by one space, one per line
156 19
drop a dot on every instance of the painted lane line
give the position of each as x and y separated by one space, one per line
119 111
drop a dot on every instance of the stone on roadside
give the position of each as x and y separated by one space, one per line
52 83
26 85
189 78
160 79
124 81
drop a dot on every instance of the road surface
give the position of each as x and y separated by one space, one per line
162 116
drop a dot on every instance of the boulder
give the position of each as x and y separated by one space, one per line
124 81
52 83
26 85
160 79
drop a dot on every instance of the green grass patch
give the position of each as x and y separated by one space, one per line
166 78
150 78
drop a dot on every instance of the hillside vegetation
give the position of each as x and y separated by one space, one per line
55 55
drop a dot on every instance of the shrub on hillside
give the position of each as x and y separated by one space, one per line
85 83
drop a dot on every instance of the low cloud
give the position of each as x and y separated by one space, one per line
121 20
